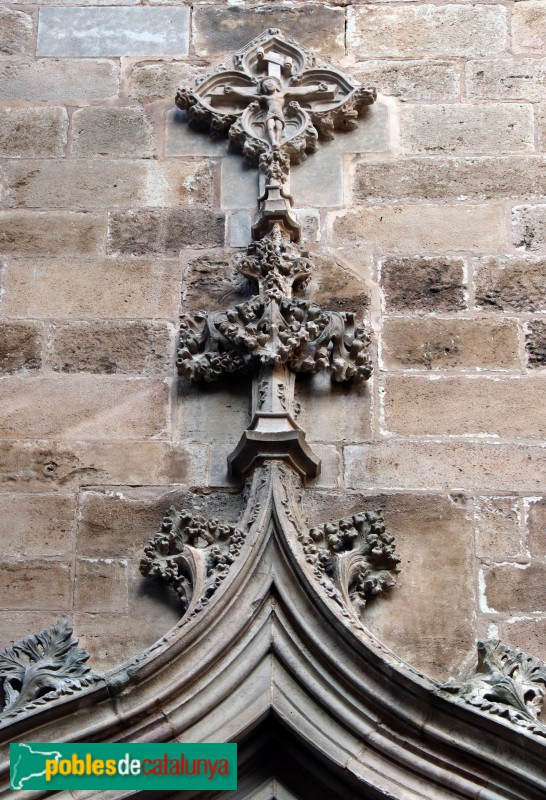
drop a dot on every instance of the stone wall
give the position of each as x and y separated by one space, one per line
430 221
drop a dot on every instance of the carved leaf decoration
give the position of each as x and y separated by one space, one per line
508 683
41 666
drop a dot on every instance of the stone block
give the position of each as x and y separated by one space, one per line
535 343
164 232
339 284
83 406
498 534
20 346
428 618
160 80
415 31
117 523
435 229
332 412
529 26
101 586
433 178
433 343
529 227
536 526
211 281
224 30
411 80
448 466
58 79
15 32
33 132
423 284
510 283
105 183
239 182
516 589
528 634
461 128
373 134
240 228
541 125
37 525
40 466
51 233
139 348
506 79
93 288
90 32
463 406
318 181
181 140
36 583
118 132
214 413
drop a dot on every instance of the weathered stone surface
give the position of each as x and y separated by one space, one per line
426 30
239 183
163 232
15 32
332 413
430 343
540 110
88 183
432 178
411 80
37 525
535 343
91 288
159 81
211 281
101 585
214 413
423 284
33 132
31 584
461 128
461 406
20 346
339 285
140 348
506 79
435 229
427 620
536 524
38 466
113 31
529 26
449 465
498 529
240 228
58 79
511 283
517 589
112 132
181 140
529 227
118 523
318 181
314 25
528 634
80 406
51 233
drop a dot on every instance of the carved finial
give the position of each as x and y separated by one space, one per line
42 667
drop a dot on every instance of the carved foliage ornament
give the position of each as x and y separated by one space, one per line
508 683
41 668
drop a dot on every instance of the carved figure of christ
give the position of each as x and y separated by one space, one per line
273 98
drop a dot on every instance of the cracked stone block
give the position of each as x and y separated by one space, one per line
535 343
139 31
529 227
510 283
112 132
33 132
20 346
423 284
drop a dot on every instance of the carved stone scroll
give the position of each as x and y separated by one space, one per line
508 683
42 667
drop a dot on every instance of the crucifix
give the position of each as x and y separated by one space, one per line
275 120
